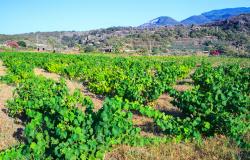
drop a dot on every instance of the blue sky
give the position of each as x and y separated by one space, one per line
21 16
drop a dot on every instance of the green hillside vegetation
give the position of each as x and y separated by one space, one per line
231 37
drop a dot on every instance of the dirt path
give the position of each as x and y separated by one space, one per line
2 69
8 128
163 103
186 83
72 85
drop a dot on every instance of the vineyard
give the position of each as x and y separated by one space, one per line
60 124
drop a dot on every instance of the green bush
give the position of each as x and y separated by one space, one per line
22 44
219 102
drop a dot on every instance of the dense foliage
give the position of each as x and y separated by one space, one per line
139 79
56 128
220 101
60 125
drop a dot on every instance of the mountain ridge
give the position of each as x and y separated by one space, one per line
203 18
160 21
232 34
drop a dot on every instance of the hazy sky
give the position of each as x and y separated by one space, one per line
20 16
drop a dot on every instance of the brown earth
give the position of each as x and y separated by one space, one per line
147 125
2 69
149 128
163 103
9 129
73 85
182 87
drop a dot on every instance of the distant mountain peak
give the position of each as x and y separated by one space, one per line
223 14
197 19
160 21
204 18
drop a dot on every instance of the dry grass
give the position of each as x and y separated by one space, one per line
218 148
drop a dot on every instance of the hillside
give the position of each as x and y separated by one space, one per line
195 20
207 17
237 23
231 36
223 14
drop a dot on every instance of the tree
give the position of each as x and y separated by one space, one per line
248 48
208 43
117 44
143 50
117 47
80 41
155 50
12 44
79 47
22 44
68 41
52 42
89 49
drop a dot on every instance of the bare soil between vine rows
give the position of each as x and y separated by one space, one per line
10 129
